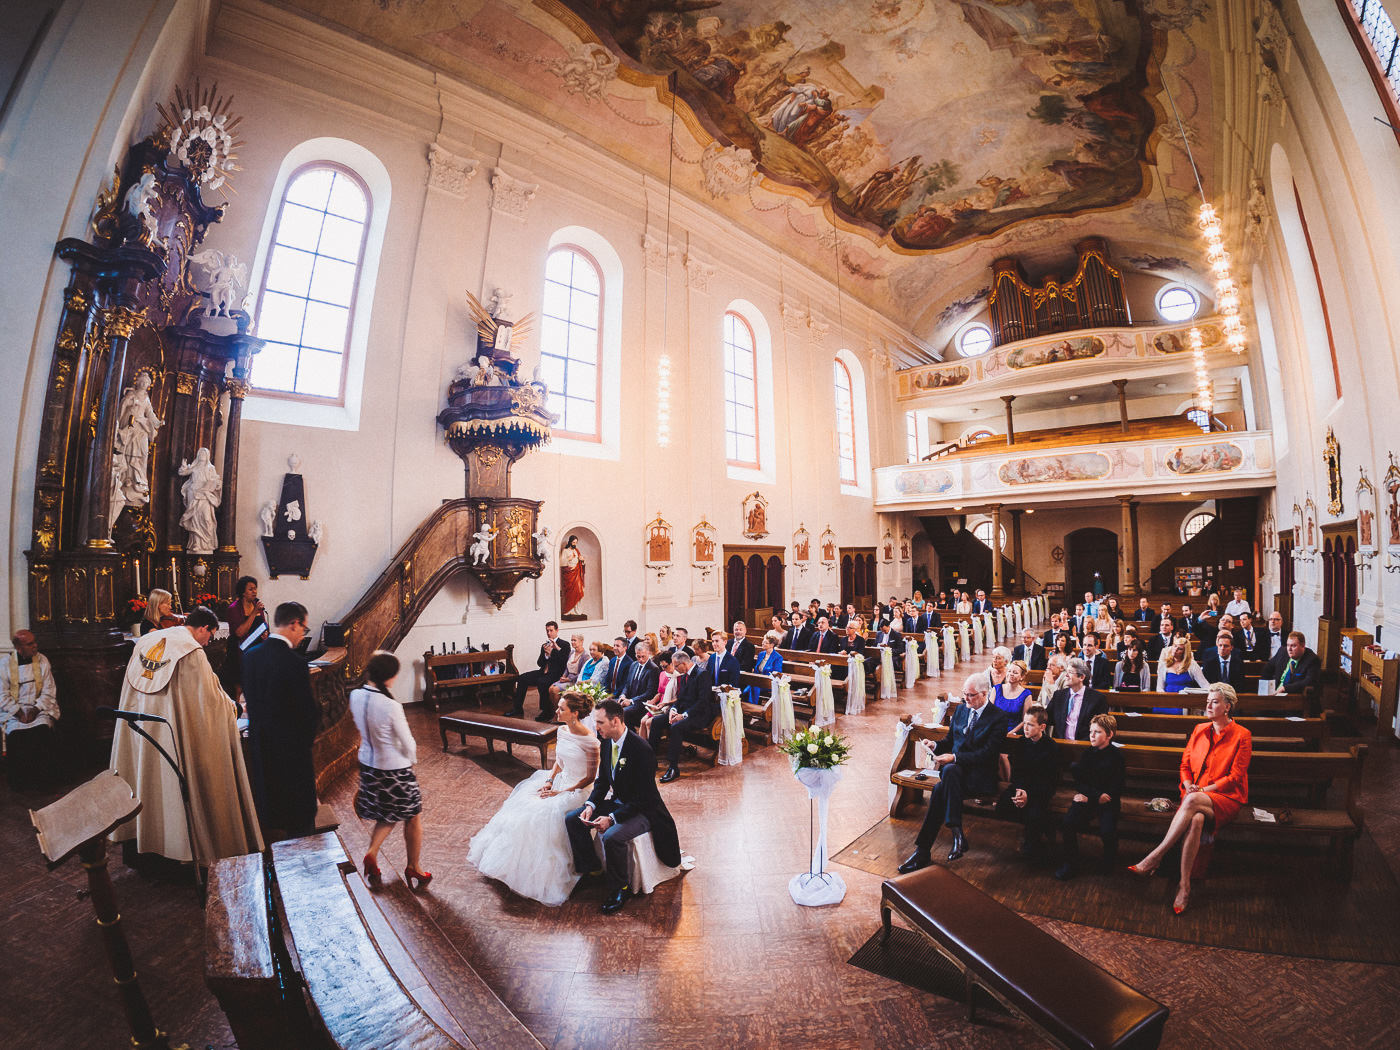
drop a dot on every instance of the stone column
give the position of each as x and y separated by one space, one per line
1127 562
228 508
998 590
1016 549
1137 572
95 528
1010 422
1122 385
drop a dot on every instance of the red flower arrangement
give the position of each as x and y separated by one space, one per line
136 606
207 599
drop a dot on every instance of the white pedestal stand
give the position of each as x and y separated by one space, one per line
817 886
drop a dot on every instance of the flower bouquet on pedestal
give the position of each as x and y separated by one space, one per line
817 755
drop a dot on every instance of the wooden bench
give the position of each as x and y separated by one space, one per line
801 667
1278 705
510 731
1270 734
1074 1002
459 676
1300 781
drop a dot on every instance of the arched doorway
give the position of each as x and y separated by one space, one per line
1088 551
754 585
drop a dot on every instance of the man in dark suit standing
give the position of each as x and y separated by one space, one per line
824 639
1295 667
1098 670
695 708
624 804
1226 664
282 720
798 636
966 761
1030 651
550 667
1072 707
740 647
639 687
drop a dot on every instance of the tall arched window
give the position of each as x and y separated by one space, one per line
740 393
911 438
845 422
310 283
569 340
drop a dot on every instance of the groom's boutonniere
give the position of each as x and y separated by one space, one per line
621 762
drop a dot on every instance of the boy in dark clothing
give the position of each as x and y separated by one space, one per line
1034 775
1098 791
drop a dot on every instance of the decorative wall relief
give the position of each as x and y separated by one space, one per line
1310 531
703 537
289 540
828 546
924 482
1040 470
1332 460
887 547
925 379
801 546
658 542
755 516
1079 348
1177 342
1366 523
1204 459
904 554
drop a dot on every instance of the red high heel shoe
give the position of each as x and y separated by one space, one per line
1138 869
372 875
417 880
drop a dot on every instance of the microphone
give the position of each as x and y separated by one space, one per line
129 716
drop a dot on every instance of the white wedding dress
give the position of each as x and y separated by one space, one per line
525 845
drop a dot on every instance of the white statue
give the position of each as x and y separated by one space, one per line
480 551
201 492
541 539
294 510
137 424
140 204
480 372
223 279
315 532
268 517
500 304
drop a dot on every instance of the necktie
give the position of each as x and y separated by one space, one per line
617 753
636 675
971 719
1288 672
1225 669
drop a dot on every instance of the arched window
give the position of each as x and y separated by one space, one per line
983 531
911 438
309 287
974 340
740 393
978 435
1176 303
569 340
1194 524
845 423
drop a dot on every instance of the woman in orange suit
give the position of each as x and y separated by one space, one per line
1214 785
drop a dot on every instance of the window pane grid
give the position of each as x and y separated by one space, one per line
310 283
845 424
1195 524
740 393
911 438
569 340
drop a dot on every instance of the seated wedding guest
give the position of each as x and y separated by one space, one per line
623 805
1091 605
554 656
823 639
1179 669
964 603
851 641
769 662
1052 682
619 667
847 615
1274 640
595 668
526 845
159 614
775 623
1074 706
1114 610
1185 621
1115 641
1295 667
740 647
1057 628
929 620
1033 778
1214 785
982 604
1030 651
169 675
1013 695
694 710
1133 673
245 615
944 602
798 637
996 671
966 763
629 631
282 719
1248 636
28 711
1229 625
724 668
1238 602
663 639
680 639
673 670
653 641
1225 665
1160 639
1100 668
1103 620
1144 614
887 635
388 793
640 686
1065 645
1098 778
573 667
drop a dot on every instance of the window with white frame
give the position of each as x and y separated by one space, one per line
1194 524
974 340
911 438
740 392
845 423
307 301
1176 303
983 531
569 340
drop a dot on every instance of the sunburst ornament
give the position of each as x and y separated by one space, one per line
203 135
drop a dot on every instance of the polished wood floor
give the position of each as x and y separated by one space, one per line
721 954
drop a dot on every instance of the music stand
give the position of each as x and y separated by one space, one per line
80 822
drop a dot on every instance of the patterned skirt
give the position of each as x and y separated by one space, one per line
388 795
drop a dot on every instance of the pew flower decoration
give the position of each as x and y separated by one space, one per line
816 749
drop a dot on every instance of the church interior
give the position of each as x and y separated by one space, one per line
444 320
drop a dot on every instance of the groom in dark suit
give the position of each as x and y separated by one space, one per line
966 760
625 803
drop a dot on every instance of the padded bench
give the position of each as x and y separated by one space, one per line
491 728
1073 1001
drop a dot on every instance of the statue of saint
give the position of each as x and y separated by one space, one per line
201 492
137 424
571 579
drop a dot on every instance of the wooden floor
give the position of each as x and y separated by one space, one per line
720 954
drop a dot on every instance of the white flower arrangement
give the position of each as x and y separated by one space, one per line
816 748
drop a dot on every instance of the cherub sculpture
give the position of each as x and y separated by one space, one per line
480 551
223 278
139 203
541 539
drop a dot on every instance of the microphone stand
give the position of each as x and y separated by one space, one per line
111 712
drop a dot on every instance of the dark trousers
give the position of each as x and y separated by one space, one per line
533 679
945 805
29 757
633 713
1077 818
1034 816
661 726
615 842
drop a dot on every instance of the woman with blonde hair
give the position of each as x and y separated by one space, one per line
159 615
578 654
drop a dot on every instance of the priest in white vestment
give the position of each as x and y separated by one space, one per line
170 675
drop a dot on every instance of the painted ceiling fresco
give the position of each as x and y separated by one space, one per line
912 141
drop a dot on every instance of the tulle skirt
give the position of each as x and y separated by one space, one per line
525 845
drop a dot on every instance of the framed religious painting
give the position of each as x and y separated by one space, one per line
904 554
755 516
658 542
828 546
801 545
1367 525
887 547
702 545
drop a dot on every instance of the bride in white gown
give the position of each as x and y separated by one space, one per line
525 844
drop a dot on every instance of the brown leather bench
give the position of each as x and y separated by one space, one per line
508 730
1073 1001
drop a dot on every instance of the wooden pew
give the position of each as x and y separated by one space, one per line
463 675
801 666
504 728
1279 705
1269 733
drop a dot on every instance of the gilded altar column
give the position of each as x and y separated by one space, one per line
1127 561
997 588
228 509
95 527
